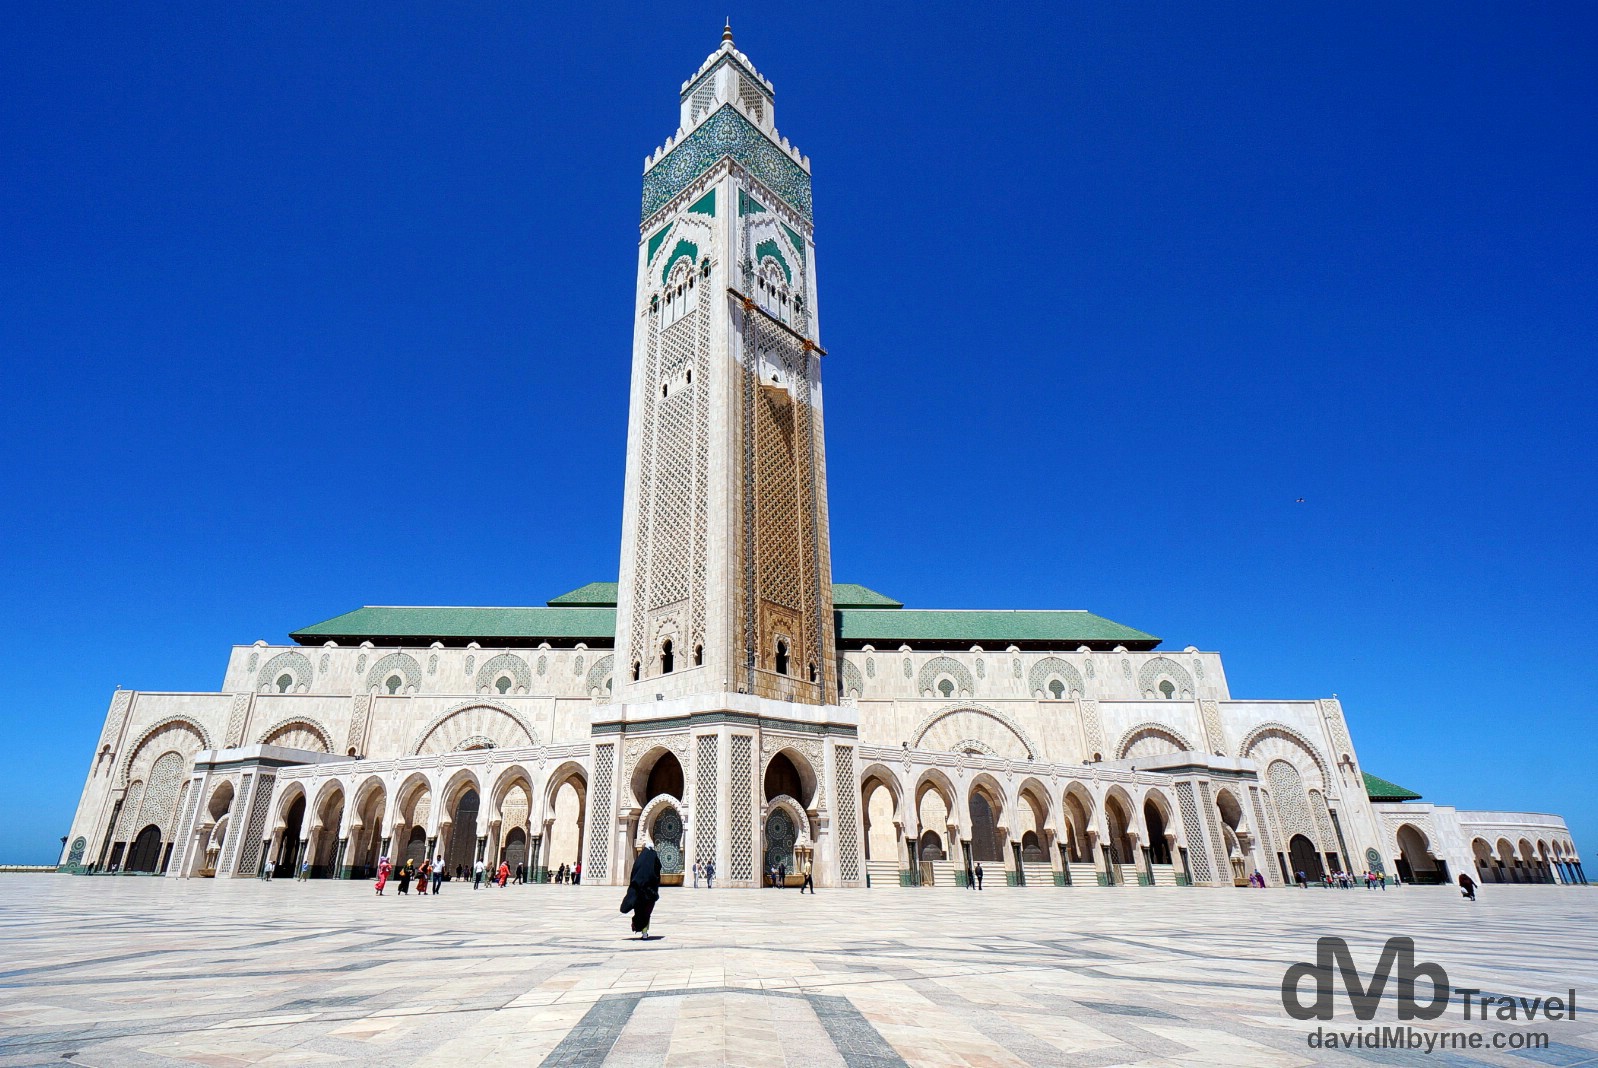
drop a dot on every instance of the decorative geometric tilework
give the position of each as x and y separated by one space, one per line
706 773
848 801
292 664
360 664
742 859
600 830
909 672
1051 667
255 658
471 664
1198 855
322 665
871 667
79 844
727 133
1015 669
402 664
1332 709
543 665
432 664
299 732
577 665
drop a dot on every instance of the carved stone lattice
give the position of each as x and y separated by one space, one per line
1214 733
850 684
121 701
1198 856
599 682
1212 820
848 819
1323 819
1332 709
1052 667
1263 827
160 801
402 664
637 745
1292 804
939 667
504 666
295 665
180 847
1164 669
355 741
599 827
706 775
742 851
1092 728
235 720
255 829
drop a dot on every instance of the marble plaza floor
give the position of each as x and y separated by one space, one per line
141 971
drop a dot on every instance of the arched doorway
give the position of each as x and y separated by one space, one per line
516 849
1159 846
1301 854
416 846
146 852
783 778
984 829
288 851
1415 864
323 854
1118 847
931 845
1487 869
1231 813
881 836
463 832
665 777
1078 811
781 835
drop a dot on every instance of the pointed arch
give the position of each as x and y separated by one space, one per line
299 732
986 722
1147 738
474 725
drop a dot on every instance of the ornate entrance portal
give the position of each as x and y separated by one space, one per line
667 836
780 838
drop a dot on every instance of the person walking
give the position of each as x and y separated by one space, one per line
577 873
423 874
809 883
643 889
305 870
405 879
782 874
477 874
710 873
1303 883
504 874
696 875
521 874
383 868
438 873
1467 886
979 875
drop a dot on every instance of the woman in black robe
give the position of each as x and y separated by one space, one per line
643 889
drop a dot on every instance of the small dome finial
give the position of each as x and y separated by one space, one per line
726 31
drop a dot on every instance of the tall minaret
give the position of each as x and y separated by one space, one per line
725 565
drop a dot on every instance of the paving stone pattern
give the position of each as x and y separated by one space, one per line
134 971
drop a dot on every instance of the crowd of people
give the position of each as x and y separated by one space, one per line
431 875
1338 880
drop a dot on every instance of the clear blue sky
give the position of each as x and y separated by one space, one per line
305 309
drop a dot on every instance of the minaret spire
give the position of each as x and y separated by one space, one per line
726 31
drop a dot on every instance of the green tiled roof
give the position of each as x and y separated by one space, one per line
942 627
849 595
1382 790
409 626
863 616
593 595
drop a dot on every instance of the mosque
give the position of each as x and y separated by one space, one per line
725 700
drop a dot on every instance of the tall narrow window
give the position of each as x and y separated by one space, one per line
699 656
284 682
635 671
782 657
667 660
